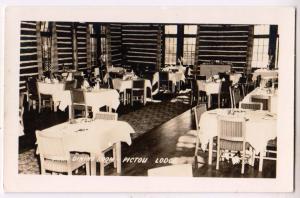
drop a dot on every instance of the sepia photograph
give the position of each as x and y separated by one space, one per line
150 99
134 99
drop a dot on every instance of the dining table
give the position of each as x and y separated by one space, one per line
175 77
92 136
94 97
123 84
264 73
210 87
260 127
51 88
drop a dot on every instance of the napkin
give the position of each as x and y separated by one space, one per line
47 80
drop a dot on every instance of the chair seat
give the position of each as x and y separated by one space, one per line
61 165
232 145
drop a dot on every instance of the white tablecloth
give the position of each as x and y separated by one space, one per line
115 69
235 78
260 128
50 88
122 85
94 137
272 98
209 87
175 77
264 73
96 99
179 67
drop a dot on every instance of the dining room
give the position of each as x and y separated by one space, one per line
146 99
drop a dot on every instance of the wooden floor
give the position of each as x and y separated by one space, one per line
160 142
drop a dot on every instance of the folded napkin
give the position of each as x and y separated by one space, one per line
55 80
47 80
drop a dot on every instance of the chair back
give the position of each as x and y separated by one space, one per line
51 147
201 85
251 105
77 96
138 84
225 86
32 86
79 81
198 111
200 77
258 80
163 76
187 69
106 116
70 85
264 100
231 132
179 170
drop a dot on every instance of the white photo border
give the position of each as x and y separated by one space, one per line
284 17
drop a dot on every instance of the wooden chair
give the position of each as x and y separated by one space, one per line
164 82
103 163
179 170
250 105
199 95
43 99
198 111
70 85
55 158
261 99
78 103
138 91
79 81
231 136
32 93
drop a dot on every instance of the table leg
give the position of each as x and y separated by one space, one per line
55 104
118 155
209 101
70 112
93 164
261 161
124 97
210 151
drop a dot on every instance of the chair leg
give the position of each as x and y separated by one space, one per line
197 145
102 164
115 155
51 104
243 159
29 104
40 104
87 168
218 155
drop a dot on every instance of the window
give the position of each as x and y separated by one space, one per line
189 44
103 49
46 45
170 44
93 45
260 56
